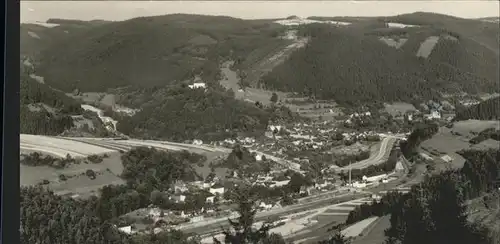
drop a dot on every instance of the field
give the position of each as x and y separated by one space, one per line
427 46
374 234
59 147
231 81
107 172
470 127
357 228
449 141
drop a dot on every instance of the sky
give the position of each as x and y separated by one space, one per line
40 11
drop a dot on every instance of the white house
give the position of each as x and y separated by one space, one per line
258 157
207 185
321 184
198 85
155 212
210 199
433 115
196 219
180 187
126 229
265 206
279 183
217 189
275 127
358 185
447 158
197 142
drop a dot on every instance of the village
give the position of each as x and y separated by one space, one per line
293 162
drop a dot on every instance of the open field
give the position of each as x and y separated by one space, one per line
84 186
374 234
446 143
357 228
426 46
107 173
468 127
487 144
449 141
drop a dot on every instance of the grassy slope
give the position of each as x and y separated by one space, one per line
151 51
350 64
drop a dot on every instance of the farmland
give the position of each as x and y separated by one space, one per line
73 178
451 140
76 181
59 147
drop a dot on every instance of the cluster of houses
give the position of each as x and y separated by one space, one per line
180 190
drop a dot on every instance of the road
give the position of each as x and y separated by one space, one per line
385 148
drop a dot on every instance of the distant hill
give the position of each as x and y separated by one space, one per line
35 37
486 110
150 51
370 60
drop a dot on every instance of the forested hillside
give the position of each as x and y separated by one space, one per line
486 110
44 110
353 65
152 51
180 113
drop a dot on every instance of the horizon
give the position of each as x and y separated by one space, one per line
41 11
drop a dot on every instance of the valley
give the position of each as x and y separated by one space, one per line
158 129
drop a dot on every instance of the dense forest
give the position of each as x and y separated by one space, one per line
486 110
351 65
179 113
44 110
159 169
178 47
421 133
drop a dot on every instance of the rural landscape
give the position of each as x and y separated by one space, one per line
191 129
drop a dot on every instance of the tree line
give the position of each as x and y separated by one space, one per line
421 132
486 110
